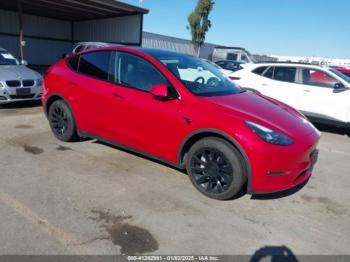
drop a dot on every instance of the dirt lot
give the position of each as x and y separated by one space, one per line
90 198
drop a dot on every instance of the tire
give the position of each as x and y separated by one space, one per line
62 122
216 168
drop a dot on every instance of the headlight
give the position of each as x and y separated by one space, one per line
1 85
269 135
39 82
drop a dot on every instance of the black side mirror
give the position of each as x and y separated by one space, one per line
338 86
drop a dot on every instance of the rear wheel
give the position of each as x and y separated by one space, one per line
62 122
216 168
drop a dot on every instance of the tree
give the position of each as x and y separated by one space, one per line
199 22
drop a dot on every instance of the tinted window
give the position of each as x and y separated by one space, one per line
222 64
95 64
260 70
285 74
231 56
198 76
135 72
269 73
317 78
244 58
74 62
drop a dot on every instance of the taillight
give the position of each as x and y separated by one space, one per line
234 78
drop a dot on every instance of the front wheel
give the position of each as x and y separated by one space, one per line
216 168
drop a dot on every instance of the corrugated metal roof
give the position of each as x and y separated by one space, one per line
74 10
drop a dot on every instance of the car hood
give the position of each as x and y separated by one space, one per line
17 72
263 111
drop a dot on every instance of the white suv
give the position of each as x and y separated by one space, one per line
321 93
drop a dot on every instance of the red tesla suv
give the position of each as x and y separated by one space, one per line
182 111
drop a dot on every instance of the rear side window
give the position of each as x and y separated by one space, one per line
74 62
95 64
259 70
285 74
269 72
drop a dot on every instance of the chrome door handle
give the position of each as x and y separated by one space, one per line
307 91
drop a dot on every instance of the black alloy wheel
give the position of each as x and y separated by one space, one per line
62 122
216 168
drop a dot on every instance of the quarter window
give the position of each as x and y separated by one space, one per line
133 71
260 70
285 74
317 78
74 62
95 64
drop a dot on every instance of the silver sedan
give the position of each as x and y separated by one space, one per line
17 82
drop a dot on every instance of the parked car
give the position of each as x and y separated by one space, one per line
17 82
321 93
230 65
81 46
344 71
181 110
223 70
232 53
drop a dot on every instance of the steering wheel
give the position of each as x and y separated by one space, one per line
213 81
200 78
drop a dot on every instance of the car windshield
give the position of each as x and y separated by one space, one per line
341 75
7 59
198 76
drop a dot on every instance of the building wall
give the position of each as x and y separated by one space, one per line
48 39
125 29
40 34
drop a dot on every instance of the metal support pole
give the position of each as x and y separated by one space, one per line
21 32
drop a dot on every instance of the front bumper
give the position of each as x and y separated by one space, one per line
9 94
281 168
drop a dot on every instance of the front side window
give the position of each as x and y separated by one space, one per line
344 76
7 59
285 74
135 72
317 78
198 76
95 64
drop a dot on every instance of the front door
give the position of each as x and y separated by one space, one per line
144 123
318 98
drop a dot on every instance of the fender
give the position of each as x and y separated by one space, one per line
226 137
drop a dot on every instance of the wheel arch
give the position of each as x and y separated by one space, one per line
203 133
52 98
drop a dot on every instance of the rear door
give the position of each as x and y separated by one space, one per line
318 98
279 82
92 92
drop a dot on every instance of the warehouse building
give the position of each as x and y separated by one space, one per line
41 31
153 40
